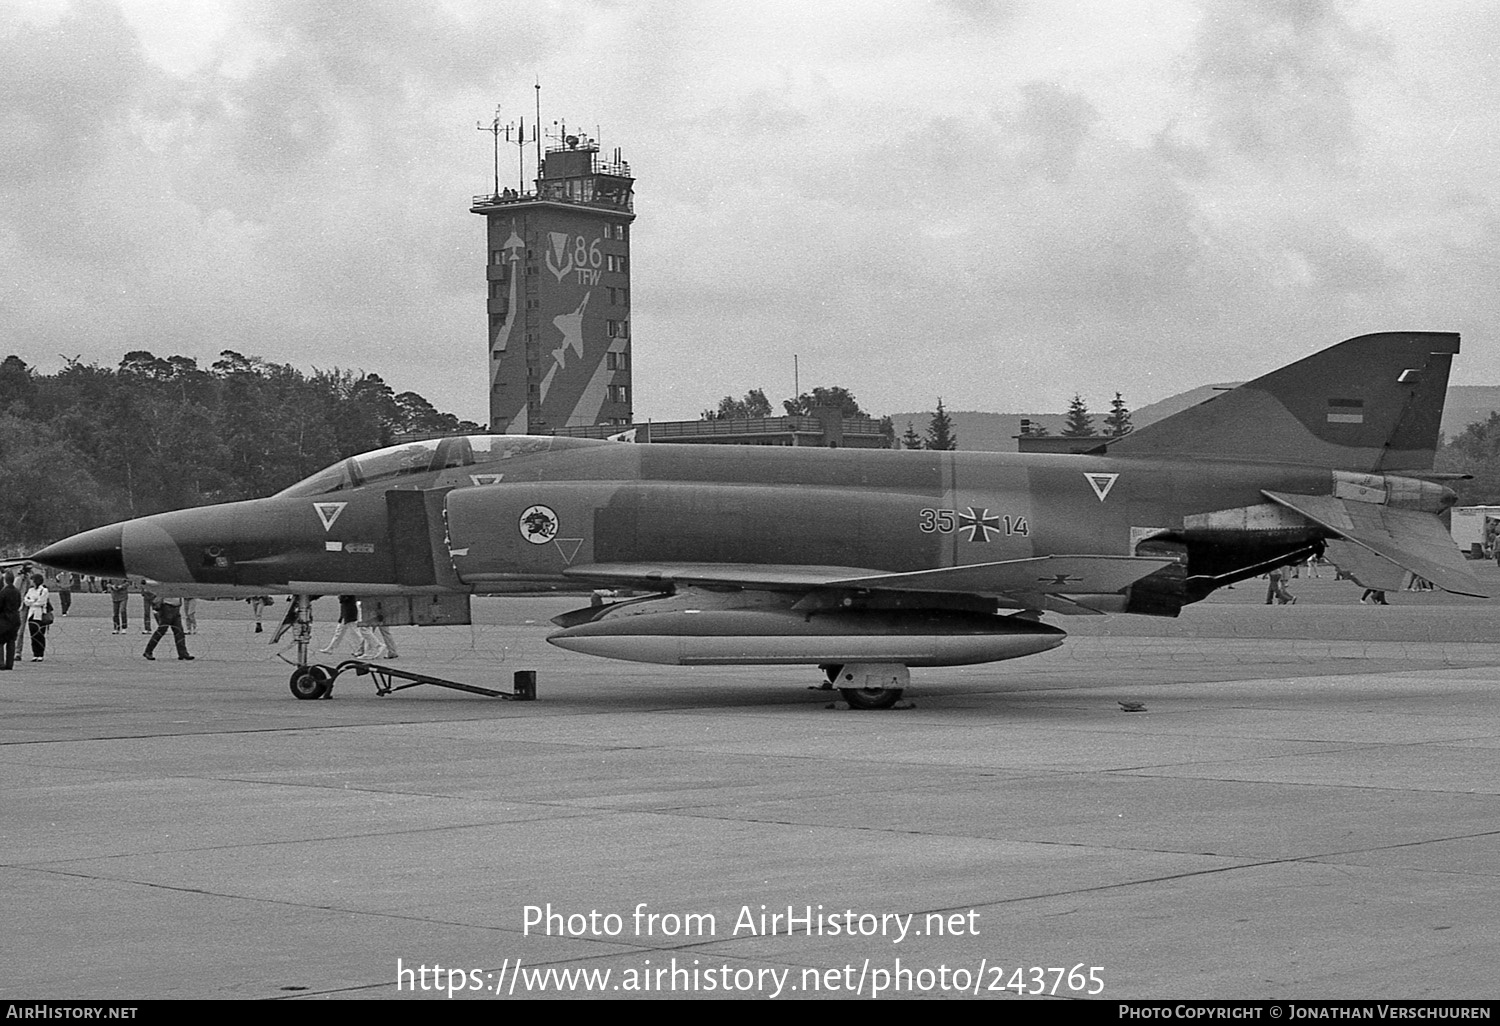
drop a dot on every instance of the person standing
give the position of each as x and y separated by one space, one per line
168 614
38 603
119 599
1277 592
10 621
148 602
348 617
65 585
258 605
375 637
190 615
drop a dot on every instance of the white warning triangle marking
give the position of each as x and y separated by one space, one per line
328 512
486 479
569 548
1101 483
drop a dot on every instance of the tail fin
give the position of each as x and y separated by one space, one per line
1373 403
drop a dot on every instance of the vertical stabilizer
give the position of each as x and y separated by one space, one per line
1373 403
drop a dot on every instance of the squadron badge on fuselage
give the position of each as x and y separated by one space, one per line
538 525
328 512
1101 484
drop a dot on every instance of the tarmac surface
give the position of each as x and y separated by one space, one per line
1307 807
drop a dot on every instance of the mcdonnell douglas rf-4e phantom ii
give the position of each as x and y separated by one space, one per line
861 562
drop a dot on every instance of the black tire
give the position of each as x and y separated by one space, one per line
871 698
310 682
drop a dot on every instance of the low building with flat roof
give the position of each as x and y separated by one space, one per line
829 430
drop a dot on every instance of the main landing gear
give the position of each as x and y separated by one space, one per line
868 685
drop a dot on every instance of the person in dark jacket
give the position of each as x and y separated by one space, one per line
10 621
168 615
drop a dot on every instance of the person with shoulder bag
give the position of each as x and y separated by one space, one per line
38 603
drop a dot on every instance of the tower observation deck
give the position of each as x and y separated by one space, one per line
558 271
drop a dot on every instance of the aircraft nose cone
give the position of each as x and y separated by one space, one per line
98 552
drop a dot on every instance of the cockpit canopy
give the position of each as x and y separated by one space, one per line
424 457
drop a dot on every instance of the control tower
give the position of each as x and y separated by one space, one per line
558 270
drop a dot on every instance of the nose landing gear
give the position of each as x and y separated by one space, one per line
310 682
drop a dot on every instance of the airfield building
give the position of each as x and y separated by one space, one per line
558 272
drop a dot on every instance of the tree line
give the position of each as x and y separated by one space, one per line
754 404
91 445
1475 451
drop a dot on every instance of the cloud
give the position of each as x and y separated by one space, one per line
1274 78
995 202
62 88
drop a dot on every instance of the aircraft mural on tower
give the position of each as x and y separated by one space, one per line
562 374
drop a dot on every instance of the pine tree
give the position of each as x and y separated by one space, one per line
1117 424
940 433
911 440
1080 424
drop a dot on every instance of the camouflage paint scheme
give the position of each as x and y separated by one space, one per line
763 555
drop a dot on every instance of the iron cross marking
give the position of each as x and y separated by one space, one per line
979 525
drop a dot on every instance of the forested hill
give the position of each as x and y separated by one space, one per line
91 445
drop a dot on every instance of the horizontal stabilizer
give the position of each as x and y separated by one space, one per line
1409 538
1048 575
1364 567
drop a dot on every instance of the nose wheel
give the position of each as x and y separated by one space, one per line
309 682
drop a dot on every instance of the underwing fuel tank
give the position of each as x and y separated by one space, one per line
712 637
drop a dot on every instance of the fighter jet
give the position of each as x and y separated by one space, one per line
864 563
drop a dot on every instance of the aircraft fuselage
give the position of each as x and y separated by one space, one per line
553 512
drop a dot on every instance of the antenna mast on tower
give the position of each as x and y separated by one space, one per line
494 129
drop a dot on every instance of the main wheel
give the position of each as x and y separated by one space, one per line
311 682
871 698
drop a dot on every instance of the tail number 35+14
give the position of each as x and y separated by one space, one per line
975 523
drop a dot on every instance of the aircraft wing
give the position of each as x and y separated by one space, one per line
1046 575
1408 538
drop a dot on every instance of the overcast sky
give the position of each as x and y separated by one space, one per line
999 202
